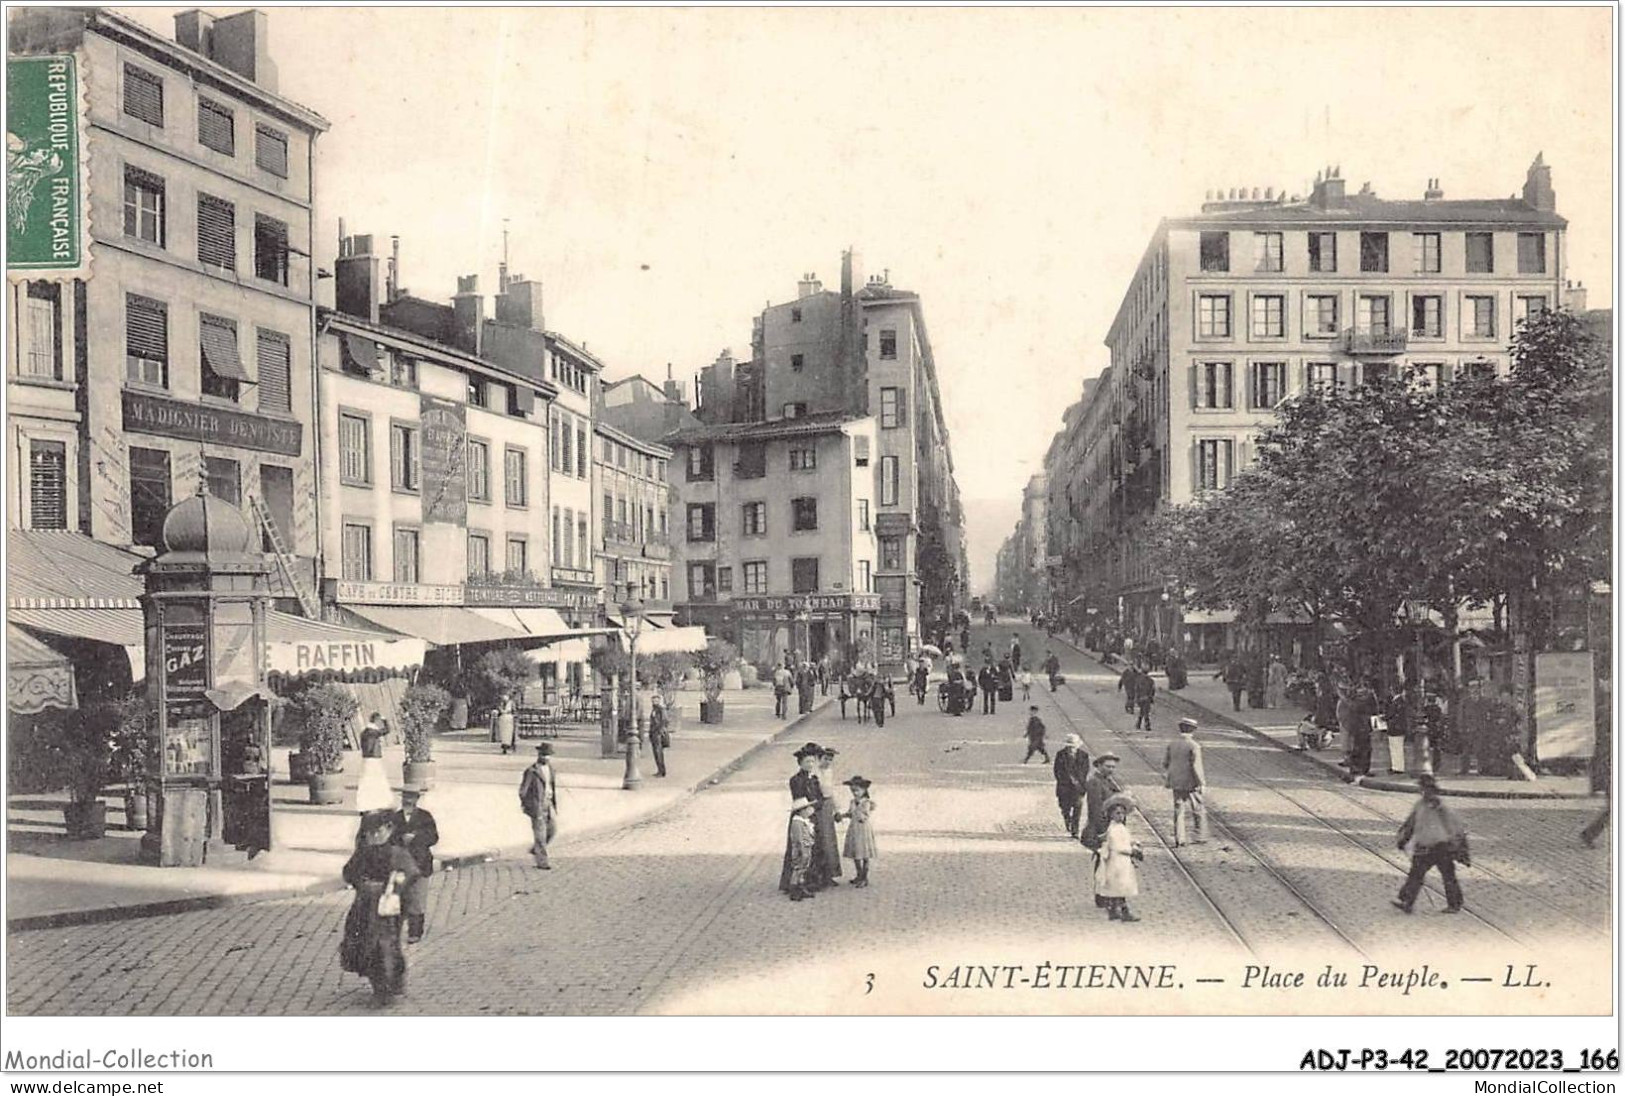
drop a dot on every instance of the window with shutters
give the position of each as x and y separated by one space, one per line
1215 463
406 545
356 551
516 477
797 362
271 150
803 460
1213 386
144 95
1321 376
888 481
702 581
1525 307
216 126
753 522
754 573
702 521
566 450
270 249
216 232
1269 384
701 463
1480 318
860 450
273 357
1373 315
1215 252
224 479
1320 316
795 410
1427 316
804 575
866 578
403 370
355 449
890 408
518 562
583 541
1426 245
804 515
1323 252
888 343
891 553
1267 256
47 485
218 341
1374 252
863 515
143 205
479 394
1531 253
479 471
1481 253
405 458
582 468
558 545
479 555
149 495
146 340
42 331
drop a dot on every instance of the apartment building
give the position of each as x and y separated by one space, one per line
188 356
633 550
778 545
1260 297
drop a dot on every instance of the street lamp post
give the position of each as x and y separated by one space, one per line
632 615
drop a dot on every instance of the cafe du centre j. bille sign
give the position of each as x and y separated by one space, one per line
423 593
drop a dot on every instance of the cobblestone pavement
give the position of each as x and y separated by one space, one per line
681 914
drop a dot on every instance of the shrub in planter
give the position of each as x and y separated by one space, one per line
86 760
324 711
504 670
133 750
718 657
420 710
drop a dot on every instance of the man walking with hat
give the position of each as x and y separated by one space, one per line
539 798
1071 775
413 829
1101 786
1182 768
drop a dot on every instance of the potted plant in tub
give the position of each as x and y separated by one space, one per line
420 710
324 711
717 659
84 758
132 756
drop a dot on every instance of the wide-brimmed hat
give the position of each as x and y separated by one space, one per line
857 782
1107 756
1072 740
828 751
544 749
797 804
1188 723
1121 799
811 749
413 787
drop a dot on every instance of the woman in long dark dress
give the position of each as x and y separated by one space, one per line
803 785
826 843
372 942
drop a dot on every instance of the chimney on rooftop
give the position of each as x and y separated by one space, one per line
1434 192
192 30
238 42
355 279
1537 186
1328 192
521 304
808 285
672 389
1574 297
469 309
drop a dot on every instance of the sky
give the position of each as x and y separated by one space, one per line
665 172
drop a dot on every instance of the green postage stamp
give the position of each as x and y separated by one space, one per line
45 211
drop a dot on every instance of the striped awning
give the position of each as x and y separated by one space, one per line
122 627
36 676
53 569
220 350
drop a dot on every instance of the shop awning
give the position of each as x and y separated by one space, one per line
123 627
1210 616
48 569
671 641
36 676
441 625
220 351
298 645
361 351
539 623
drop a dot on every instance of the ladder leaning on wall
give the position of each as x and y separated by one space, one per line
285 561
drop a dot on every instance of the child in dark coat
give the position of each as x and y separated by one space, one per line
1035 736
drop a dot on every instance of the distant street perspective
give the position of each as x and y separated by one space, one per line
680 913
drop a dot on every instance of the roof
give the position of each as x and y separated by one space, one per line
1369 209
823 422
408 340
599 426
57 569
576 351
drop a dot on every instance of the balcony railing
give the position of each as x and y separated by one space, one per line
1375 342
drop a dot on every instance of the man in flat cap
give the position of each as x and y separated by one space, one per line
1182 766
539 798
